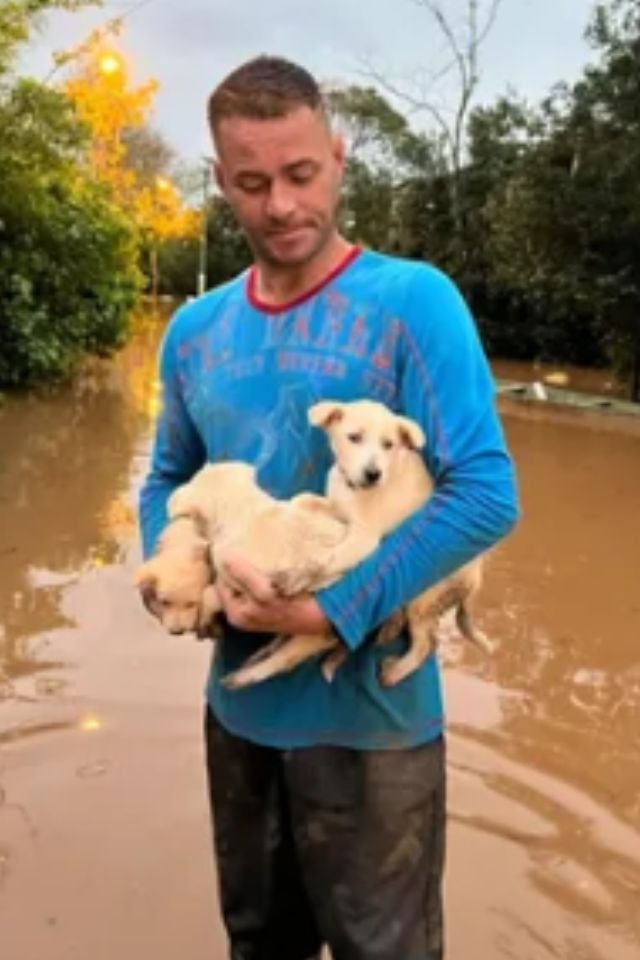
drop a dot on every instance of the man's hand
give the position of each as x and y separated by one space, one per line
250 602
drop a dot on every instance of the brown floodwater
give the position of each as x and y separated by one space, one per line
104 837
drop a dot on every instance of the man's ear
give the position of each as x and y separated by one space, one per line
218 174
411 433
326 413
339 151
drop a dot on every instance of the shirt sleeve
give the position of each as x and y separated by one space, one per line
177 452
447 387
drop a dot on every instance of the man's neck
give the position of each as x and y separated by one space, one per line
278 285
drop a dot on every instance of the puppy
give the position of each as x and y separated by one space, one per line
378 480
305 539
222 510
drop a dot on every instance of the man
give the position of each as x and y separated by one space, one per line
328 801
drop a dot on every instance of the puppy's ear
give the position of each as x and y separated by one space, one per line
146 576
326 413
200 549
411 433
183 501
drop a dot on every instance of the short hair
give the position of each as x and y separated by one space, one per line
263 89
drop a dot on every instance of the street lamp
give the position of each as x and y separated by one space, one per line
202 265
109 63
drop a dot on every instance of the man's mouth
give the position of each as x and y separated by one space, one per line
289 232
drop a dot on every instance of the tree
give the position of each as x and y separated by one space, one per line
565 224
67 257
463 44
227 252
126 153
382 151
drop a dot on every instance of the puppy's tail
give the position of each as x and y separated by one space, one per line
468 629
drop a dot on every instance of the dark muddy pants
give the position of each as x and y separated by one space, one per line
328 845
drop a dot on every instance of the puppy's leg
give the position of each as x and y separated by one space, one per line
317 504
287 655
332 663
266 651
392 627
292 583
422 627
469 630
210 607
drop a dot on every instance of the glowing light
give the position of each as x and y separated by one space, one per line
91 723
109 64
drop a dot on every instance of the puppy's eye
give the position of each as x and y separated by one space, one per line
387 444
164 602
354 437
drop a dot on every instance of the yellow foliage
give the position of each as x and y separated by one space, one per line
159 210
99 87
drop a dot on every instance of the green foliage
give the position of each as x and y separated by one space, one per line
227 254
540 225
18 19
542 230
67 257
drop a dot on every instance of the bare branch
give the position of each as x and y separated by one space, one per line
462 43
434 8
490 21
416 104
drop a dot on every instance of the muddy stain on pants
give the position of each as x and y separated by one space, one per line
328 845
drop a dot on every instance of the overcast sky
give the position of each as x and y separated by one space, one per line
189 45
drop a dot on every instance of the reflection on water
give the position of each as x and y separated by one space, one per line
64 487
545 739
601 382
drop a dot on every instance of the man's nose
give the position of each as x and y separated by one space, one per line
280 202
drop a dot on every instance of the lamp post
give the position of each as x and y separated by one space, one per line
110 63
161 186
202 263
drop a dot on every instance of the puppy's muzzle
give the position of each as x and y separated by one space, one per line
371 476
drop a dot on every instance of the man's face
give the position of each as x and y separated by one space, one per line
281 178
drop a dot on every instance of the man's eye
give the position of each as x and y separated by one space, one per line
302 176
354 437
251 186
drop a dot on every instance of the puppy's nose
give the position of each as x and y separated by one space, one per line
371 475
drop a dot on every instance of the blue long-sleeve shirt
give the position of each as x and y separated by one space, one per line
238 378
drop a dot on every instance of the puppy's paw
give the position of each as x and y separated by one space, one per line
391 628
291 583
209 625
332 663
393 670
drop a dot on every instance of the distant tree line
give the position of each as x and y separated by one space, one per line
533 209
540 225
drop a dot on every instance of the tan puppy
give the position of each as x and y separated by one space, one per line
304 539
378 480
223 511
